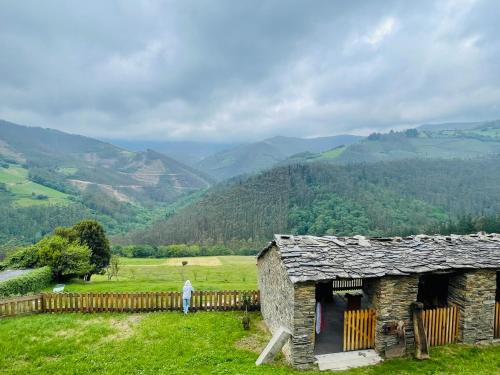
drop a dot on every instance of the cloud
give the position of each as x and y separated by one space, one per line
384 29
241 71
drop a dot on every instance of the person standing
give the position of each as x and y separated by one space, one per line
187 290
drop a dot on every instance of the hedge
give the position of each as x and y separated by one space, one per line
33 281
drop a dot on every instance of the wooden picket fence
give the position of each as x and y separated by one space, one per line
347 284
359 329
497 320
441 325
127 302
21 305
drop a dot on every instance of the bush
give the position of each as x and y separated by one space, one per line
65 258
33 281
25 257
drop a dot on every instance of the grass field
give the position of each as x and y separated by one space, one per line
332 154
170 343
16 179
205 273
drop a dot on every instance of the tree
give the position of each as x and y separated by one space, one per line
91 234
66 259
113 267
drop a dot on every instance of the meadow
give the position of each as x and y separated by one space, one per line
25 192
171 343
168 274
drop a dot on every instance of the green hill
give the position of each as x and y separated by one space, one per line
44 167
467 141
384 198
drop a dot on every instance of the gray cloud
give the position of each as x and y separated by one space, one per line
243 70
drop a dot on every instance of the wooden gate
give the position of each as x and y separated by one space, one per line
497 320
359 329
441 325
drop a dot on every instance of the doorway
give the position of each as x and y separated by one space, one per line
433 290
334 300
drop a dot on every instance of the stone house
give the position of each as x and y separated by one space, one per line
295 272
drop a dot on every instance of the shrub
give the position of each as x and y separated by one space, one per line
25 257
33 281
65 258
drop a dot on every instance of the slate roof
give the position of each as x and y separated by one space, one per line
308 258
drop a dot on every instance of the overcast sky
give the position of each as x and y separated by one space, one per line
243 70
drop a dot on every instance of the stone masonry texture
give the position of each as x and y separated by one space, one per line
303 325
391 297
474 293
277 295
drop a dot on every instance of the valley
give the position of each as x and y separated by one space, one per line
241 195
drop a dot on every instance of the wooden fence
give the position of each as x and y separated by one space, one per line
359 329
21 305
441 325
347 284
497 320
129 302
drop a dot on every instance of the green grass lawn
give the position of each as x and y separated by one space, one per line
170 343
205 273
16 179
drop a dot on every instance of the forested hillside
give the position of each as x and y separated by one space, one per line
50 178
385 198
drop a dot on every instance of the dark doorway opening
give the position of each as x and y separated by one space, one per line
433 290
334 303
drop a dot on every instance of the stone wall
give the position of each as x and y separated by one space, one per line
391 297
303 325
276 294
474 293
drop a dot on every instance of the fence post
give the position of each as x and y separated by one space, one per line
421 344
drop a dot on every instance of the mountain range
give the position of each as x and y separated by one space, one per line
258 156
50 178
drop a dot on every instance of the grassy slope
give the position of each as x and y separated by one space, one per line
206 273
170 343
16 179
332 154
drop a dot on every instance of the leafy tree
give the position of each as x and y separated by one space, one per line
91 234
66 259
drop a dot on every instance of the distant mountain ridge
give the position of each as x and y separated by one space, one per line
456 125
187 152
50 178
50 169
82 162
257 156
440 141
